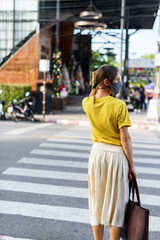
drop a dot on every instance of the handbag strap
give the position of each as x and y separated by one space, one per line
134 186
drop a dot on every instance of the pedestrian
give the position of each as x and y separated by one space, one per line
137 98
142 98
111 159
77 85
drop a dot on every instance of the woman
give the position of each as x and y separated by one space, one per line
111 159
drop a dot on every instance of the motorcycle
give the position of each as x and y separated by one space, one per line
17 112
2 103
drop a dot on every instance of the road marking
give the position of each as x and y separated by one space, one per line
61 137
46 174
60 153
12 238
52 162
45 211
75 192
69 140
154 224
64 191
88 136
84 141
148 183
27 129
65 146
72 136
147 152
146 146
73 133
147 160
68 176
74 164
88 148
57 213
148 170
86 155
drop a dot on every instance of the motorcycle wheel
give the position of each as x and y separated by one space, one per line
14 116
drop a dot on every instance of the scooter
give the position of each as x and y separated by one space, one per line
25 113
2 103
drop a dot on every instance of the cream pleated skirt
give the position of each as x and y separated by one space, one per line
108 185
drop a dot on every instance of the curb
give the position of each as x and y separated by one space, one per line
68 122
87 123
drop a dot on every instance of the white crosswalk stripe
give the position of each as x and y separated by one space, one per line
45 211
52 162
88 148
27 129
86 155
78 215
70 157
68 176
46 174
75 192
65 146
12 238
60 153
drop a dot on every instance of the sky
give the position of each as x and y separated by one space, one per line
141 43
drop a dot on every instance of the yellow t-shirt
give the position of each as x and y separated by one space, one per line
107 115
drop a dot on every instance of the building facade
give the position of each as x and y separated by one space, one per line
18 19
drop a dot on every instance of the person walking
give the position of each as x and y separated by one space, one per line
142 99
111 159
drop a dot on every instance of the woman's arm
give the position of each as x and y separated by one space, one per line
127 148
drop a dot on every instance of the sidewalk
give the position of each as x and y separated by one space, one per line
73 114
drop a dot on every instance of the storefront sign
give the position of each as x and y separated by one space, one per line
44 65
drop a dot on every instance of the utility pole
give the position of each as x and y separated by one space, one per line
122 29
57 23
125 73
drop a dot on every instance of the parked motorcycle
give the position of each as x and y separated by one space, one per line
22 109
2 103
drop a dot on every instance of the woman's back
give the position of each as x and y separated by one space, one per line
107 115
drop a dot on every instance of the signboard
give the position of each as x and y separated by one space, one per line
44 65
141 63
157 60
154 110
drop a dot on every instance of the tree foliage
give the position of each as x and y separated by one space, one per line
99 59
147 56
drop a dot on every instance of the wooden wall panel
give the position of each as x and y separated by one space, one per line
22 68
66 38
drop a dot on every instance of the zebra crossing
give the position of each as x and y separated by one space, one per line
66 157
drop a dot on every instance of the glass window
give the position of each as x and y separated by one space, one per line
6 5
2 53
26 5
2 44
9 44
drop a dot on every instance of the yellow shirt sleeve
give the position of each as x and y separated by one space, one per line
123 116
84 105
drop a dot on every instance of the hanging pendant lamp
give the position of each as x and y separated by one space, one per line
88 19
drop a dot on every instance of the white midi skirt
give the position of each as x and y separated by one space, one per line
108 185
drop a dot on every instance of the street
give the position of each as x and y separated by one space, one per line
43 180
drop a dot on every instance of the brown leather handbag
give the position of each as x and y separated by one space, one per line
137 218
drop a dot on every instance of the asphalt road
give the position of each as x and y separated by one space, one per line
43 180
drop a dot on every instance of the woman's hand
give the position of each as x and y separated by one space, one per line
132 170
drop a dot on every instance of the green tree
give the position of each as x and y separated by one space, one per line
98 59
152 55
